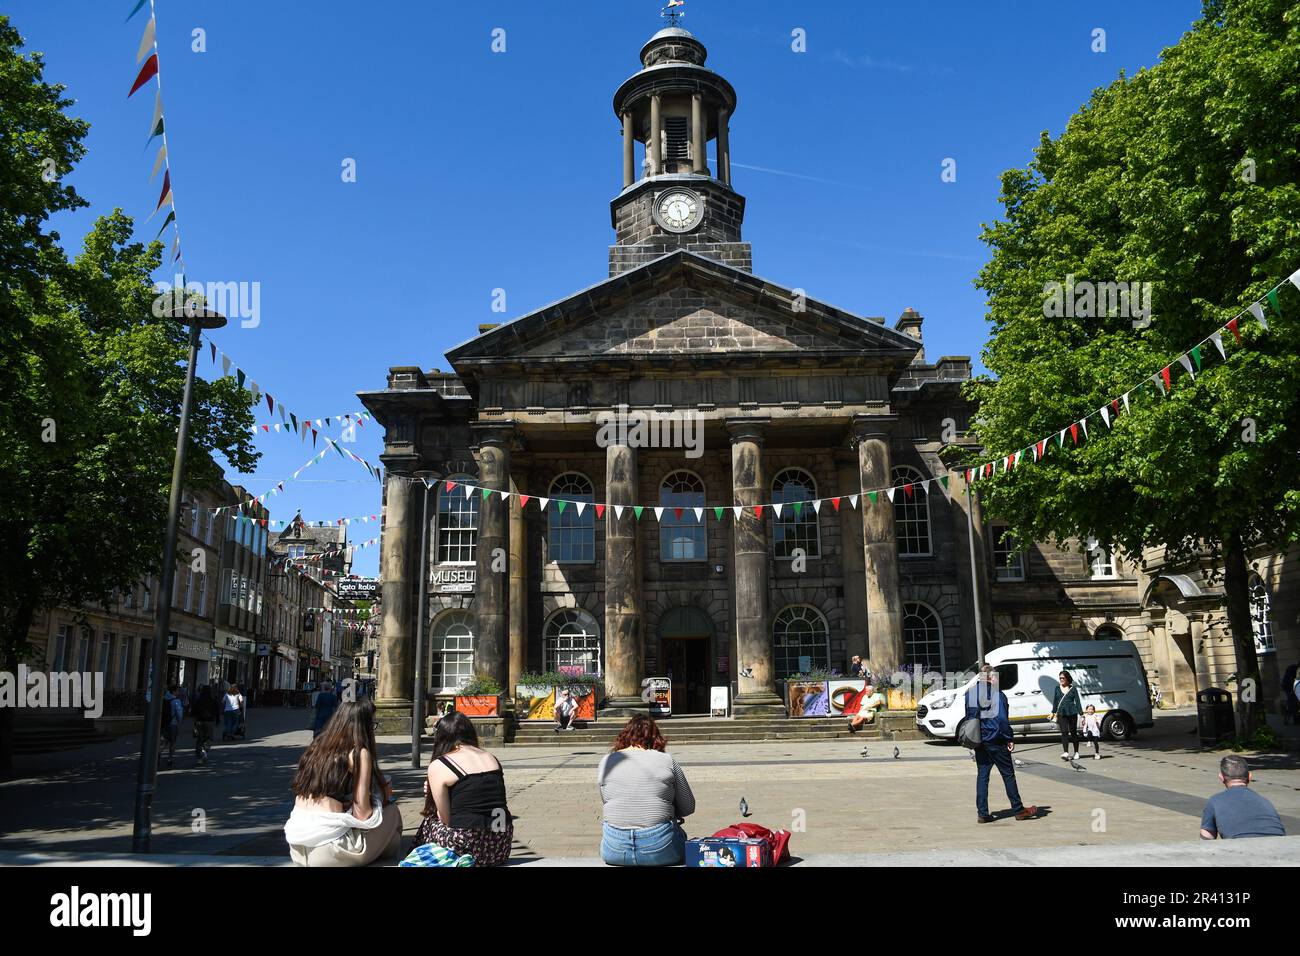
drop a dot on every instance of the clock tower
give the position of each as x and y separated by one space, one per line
672 199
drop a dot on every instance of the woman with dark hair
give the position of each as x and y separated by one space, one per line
343 811
645 797
465 807
1067 705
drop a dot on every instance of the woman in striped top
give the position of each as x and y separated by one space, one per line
645 797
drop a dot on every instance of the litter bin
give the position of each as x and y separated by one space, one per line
1214 717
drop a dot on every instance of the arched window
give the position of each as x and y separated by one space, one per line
681 533
797 527
571 638
452 650
911 513
457 522
800 641
1261 616
922 636
1108 632
572 536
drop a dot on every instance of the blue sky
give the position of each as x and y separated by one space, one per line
479 170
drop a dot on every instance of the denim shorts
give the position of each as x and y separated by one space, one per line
662 845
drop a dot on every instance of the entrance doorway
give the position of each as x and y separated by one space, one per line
686 636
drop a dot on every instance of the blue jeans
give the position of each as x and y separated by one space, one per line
231 719
663 845
986 757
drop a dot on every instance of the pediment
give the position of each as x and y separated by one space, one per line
685 305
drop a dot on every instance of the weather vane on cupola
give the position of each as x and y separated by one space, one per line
672 13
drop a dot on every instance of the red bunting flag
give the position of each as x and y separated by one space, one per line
1114 405
524 499
907 489
270 403
835 503
1042 448
451 485
677 512
1232 327
600 511
166 188
1074 432
147 72
1164 372
758 510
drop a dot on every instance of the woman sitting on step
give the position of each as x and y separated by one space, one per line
343 811
465 807
646 796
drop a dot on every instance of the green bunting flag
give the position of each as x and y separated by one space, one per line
944 481
874 496
1196 356
561 505
637 509
798 509
486 492
1272 300
717 513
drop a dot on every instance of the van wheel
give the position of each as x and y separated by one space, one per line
1118 727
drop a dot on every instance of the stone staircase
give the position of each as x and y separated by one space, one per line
682 731
53 731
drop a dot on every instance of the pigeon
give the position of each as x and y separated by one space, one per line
1019 762
747 672
895 753
1075 766
744 808
864 752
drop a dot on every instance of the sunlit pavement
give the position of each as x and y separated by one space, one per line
1140 804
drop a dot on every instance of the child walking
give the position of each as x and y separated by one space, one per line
1091 730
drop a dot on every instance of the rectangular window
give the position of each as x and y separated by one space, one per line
231 521
1101 563
457 526
194 518
129 599
105 651
229 588
125 645
297 550
209 520
203 594
87 646
1008 559
60 651
146 594
189 590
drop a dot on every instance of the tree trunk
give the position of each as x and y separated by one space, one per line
1236 591
22 623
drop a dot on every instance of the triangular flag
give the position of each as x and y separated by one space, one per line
505 495
1074 432
523 500
1125 403
717 513
135 10
817 506
158 161
758 511
469 491
659 513
1084 423
166 189
907 490
944 481
1272 301
1186 361
1232 327
1195 353
1164 377
1217 339
1257 311
167 220
487 492
699 514
835 503
874 496
600 511
1060 439
636 510
225 364
561 504
618 512
798 509
853 501
451 485
677 513
889 493
542 503
147 72
239 376
777 506
1295 279
580 506
737 510
1105 415
146 40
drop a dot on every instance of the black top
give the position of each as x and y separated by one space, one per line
476 798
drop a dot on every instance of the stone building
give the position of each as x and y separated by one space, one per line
573 477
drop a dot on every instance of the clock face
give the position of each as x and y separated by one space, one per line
678 210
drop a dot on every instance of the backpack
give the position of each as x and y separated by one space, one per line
777 840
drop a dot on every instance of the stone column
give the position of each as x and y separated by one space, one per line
398 571
724 147
518 597
491 595
700 166
854 573
755 694
624 621
656 137
880 547
968 588
628 150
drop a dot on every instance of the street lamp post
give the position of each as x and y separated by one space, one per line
146 782
417 698
974 578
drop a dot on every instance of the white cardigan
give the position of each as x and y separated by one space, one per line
313 828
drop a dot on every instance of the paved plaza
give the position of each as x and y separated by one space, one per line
1140 804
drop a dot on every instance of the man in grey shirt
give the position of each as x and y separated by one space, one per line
1238 811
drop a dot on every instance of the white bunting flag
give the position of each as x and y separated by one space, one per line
659 513
428 482
1257 311
817 506
158 161
737 509
469 491
256 392
1084 423
699 514
505 495
1158 382
776 506
1217 339
853 501
890 493
146 40
1105 415
542 503
581 505
157 113
1186 361
280 406
618 512
1126 403
225 364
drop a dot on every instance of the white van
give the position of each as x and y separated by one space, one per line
1109 675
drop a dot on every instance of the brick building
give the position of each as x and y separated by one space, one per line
770 397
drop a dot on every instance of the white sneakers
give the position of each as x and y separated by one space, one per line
1065 756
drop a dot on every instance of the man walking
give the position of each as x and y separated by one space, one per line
987 704
1238 811
326 703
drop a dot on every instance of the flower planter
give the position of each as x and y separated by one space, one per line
479 705
900 698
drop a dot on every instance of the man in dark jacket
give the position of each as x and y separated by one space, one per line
987 704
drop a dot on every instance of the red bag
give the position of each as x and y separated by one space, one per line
778 840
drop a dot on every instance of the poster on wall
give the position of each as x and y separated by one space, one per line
841 694
807 698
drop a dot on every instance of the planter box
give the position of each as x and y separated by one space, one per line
479 705
900 698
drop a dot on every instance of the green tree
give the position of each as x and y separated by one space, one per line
90 383
1184 176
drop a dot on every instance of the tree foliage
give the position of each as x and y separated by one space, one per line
1187 176
90 380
